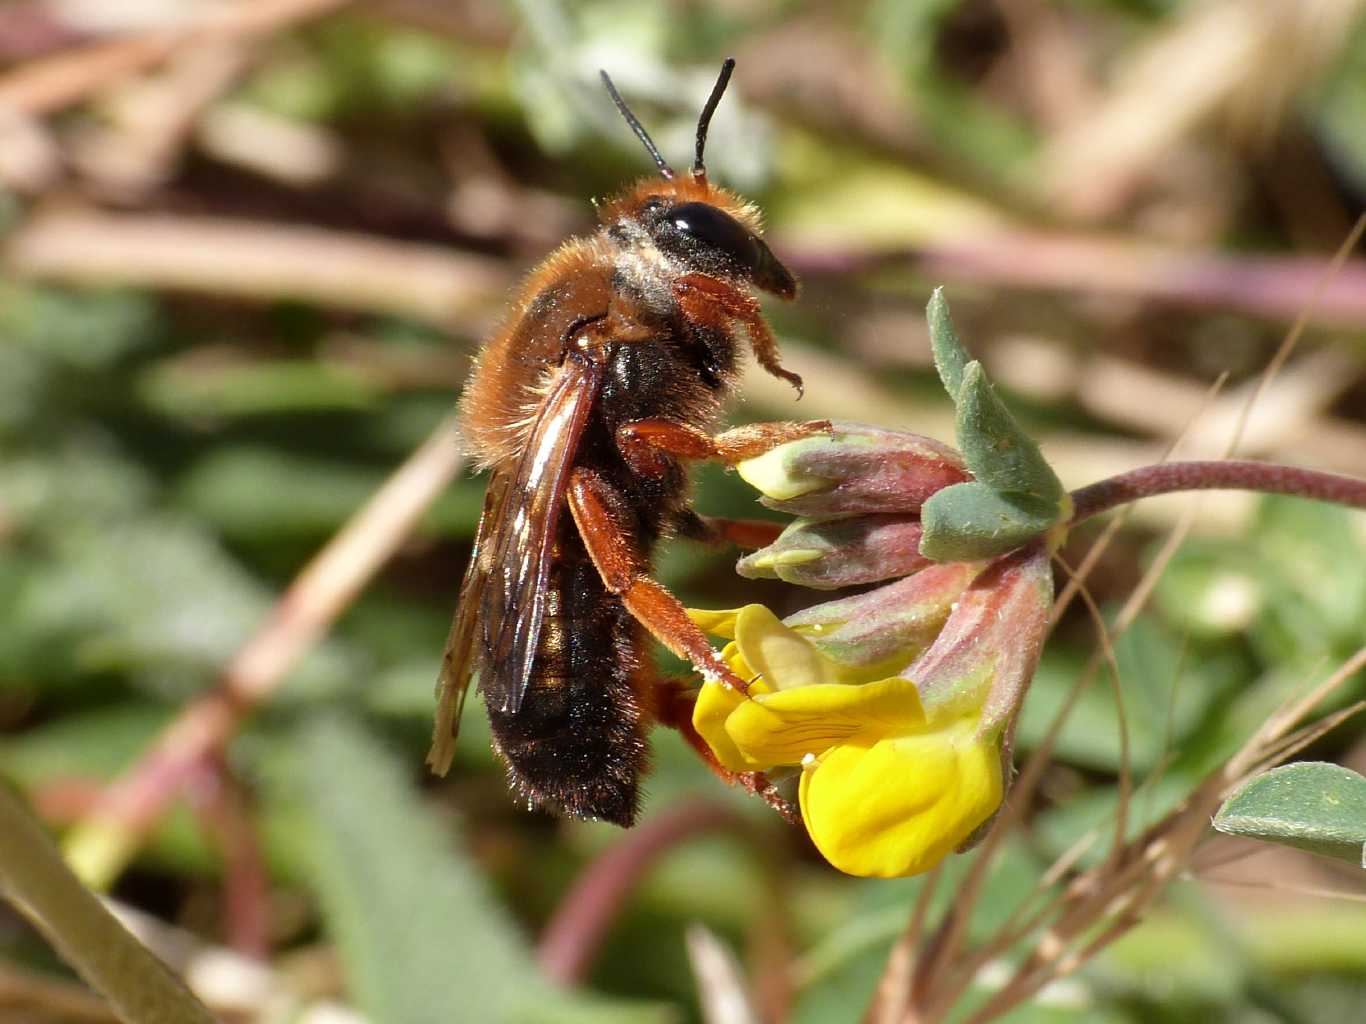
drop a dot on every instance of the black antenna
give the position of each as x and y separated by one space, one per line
637 127
699 169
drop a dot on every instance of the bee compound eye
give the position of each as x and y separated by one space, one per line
704 225
701 232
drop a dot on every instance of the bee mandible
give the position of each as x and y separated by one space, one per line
609 372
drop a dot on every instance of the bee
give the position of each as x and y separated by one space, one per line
608 373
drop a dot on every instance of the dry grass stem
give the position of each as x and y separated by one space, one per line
1107 650
48 85
101 844
1294 889
1213 55
1277 287
32 997
1077 579
137 144
893 992
720 986
256 260
1292 337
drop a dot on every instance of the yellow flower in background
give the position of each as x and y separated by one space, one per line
885 790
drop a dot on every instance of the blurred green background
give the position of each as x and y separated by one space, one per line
248 251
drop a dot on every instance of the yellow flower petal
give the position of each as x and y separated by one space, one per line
786 726
900 806
785 658
719 622
715 702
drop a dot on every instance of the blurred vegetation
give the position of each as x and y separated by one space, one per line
180 434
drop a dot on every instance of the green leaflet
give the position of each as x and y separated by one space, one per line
1311 805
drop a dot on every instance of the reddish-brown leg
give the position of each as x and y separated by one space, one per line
743 533
712 302
592 501
675 704
650 446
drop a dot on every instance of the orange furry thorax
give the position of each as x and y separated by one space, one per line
510 374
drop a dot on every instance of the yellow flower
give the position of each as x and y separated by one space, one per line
902 805
886 789
770 656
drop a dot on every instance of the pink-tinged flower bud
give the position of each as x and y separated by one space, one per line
984 658
899 620
856 469
831 553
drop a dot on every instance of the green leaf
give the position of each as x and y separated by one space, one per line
418 929
997 451
950 357
1310 805
186 391
969 521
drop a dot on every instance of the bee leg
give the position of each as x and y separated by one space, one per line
651 446
675 704
706 300
595 505
751 534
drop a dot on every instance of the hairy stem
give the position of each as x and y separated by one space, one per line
34 877
1169 477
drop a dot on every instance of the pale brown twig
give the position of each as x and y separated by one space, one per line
48 85
1107 650
28 996
255 260
101 844
893 992
1269 286
1292 336
1076 580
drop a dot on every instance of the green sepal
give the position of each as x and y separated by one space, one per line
1016 495
997 452
1310 805
950 357
971 521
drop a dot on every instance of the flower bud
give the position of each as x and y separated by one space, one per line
856 469
899 620
984 657
831 553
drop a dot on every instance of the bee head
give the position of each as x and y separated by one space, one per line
706 228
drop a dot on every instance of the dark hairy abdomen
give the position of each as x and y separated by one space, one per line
578 741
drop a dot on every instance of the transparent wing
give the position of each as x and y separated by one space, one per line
458 663
502 598
512 604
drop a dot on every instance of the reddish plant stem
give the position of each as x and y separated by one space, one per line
1218 475
223 808
574 935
